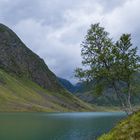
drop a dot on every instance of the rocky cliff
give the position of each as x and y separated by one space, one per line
16 58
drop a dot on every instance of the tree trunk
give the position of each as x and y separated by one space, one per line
125 102
129 99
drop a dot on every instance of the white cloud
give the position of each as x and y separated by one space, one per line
124 18
54 29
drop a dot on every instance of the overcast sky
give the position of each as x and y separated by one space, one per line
54 29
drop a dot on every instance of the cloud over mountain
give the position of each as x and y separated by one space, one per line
54 29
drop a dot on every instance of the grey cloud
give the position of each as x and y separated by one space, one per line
54 29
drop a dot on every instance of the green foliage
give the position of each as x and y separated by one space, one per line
113 63
95 50
21 94
103 59
128 129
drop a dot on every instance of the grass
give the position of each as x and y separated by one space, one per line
20 94
127 129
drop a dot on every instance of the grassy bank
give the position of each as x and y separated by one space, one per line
19 94
127 129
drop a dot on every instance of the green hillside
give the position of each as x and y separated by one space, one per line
26 82
19 94
127 129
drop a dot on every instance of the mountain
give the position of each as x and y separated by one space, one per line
78 87
108 97
85 92
66 84
26 83
16 58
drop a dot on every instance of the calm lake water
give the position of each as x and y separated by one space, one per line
56 126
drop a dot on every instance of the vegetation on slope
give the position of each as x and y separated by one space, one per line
26 83
111 63
21 94
16 58
128 129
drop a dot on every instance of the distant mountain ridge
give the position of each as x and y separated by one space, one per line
85 92
66 84
78 87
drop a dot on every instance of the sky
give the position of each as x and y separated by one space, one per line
54 29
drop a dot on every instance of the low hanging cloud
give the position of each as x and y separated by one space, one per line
54 29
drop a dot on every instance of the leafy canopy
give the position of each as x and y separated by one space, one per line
106 61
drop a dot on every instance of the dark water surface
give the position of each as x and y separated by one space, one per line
56 126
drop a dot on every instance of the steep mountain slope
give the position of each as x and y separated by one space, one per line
21 94
26 83
127 129
16 58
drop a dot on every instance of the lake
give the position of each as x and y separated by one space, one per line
56 126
